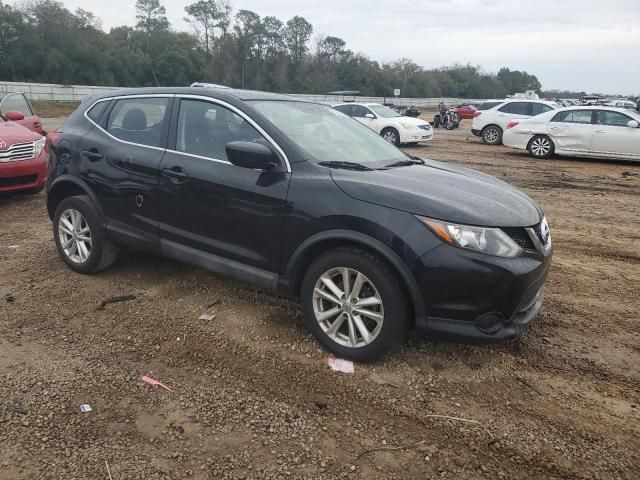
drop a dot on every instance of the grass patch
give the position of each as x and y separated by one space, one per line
49 108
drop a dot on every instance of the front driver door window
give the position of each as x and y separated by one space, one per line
360 113
214 206
613 136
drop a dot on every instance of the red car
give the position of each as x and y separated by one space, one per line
465 111
16 107
23 159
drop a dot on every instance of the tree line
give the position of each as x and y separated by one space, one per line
42 41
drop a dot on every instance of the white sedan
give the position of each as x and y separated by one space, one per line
385 121
602 132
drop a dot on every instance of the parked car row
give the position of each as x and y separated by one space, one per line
23 162
544 128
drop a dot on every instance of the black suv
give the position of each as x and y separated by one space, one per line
298 197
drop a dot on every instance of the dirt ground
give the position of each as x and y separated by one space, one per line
252 396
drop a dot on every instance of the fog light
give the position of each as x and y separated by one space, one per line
490 322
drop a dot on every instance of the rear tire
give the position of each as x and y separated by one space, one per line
436 121
81 237
541 146
492 135
362 302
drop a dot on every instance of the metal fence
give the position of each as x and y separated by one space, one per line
49 91
75 93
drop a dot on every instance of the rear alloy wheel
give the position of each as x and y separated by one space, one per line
391 135
354 304
541 146
492 135
80 236
75 236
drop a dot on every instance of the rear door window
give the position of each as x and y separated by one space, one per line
16 102
574 116
139 120
517 108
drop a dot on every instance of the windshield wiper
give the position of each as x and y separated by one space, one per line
346 165
407 162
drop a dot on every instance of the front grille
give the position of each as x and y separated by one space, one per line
425 127
18 151
520 236
14 181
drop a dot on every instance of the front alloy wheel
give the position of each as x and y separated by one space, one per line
354 304
75 236
391 136
348 307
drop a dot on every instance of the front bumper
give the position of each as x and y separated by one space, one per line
475 297
419 135
476 132
22 175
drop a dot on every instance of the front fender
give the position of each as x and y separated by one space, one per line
298 261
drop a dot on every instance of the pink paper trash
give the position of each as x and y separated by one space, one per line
339 365
154 383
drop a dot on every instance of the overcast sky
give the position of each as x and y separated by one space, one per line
590 45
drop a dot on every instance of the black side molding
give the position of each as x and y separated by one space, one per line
217 264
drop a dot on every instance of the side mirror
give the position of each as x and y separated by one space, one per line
14 116
633 124
369 115
251 155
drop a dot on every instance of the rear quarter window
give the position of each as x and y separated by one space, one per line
488 105
516 108
95 112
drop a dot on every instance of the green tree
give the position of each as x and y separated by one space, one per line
205 16
151 16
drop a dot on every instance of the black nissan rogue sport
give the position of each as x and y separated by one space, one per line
298 197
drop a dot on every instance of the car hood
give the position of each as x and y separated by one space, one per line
12 132
410 120
444 192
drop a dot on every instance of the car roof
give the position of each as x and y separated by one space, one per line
219 93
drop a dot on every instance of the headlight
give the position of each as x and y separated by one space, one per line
39 146
409 126
491 241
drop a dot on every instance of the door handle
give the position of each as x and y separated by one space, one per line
92 155
175 174
600 131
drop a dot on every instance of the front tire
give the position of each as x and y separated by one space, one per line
391 135
541 146
354 305
492 135
80 236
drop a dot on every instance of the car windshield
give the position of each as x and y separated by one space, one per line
384 111
327 135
